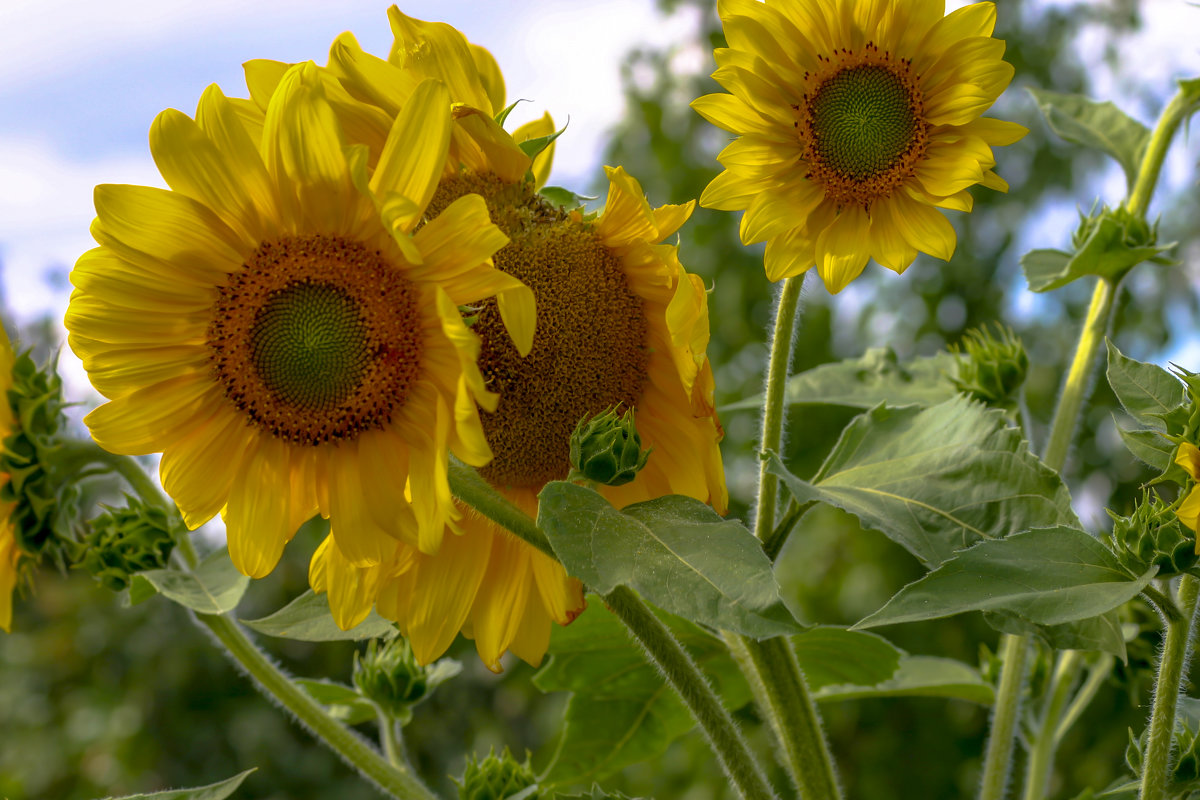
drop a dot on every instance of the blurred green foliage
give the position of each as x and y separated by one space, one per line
96 700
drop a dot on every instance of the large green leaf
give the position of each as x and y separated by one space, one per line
1048 576
621 712
1150 394
918 676
307 618
1102 634
213 588
675 551
214 791
831 655
877 377
937 480
1100 126
1149 446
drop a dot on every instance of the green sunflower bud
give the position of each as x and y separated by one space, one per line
1132 230
124 541
43 493
994 366
606 449
388 674
1151 535
496 778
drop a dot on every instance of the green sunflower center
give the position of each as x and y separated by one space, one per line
863 121
317 339
310 346
590 344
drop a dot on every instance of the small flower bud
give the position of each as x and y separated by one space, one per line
606 449
124 541
388 674
1151 535
994 366
495 778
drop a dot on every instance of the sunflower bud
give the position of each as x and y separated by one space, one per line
43 493
994 366
1132 230
495 778
124 541
1152 535
606 449
388 674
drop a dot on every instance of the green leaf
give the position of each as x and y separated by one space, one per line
937 480
502 115
140 590
307 619
1101 634
557 195
532 147
341 701
1105 253
1149 446
621 711
213 588
675 551
831 655
1148 392
1048 576
877 377
1100 126
214 791
919 676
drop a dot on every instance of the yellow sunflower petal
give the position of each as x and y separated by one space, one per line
1188 457
443 591
949 168
360 539
924 227
842 249
256 517
415 152
262 78
500 153
533 636
352 590
732 114
789 254
437 50
729 191
889 248
198 469
995 132
773 212
218 117
1189 510
10 554
490 75
500 602
975 19
373 79
145 421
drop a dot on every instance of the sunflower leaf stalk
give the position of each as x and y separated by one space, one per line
1066 416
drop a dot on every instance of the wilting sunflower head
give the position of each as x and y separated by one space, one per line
277 327
857 121
619 322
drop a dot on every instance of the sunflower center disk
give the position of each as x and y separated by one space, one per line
317 339
589 349
865 130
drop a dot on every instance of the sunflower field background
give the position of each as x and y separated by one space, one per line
98 700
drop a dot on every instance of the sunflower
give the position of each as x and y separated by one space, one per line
1188 457
856 121
10 551
278 329
619 322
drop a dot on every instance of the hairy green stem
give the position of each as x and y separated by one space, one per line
1156 761
660 645
1182 106
78 454
779 687
1097 675
998 757
343 741
683 674
390 741
1041 757
774 408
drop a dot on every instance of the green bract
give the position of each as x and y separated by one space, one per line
606 449
497 777
1153 536
124 541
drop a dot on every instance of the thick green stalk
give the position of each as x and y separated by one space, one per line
660 645
1156 761
998 757
1182 106
683 674
343 741
778 685
1041 757
77 454
771 667
774 408
1097 675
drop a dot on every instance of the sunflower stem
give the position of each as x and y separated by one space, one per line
1041 756
78 454
1183 105
770 666
1097 675
390 741
346 743
998 758
774 410
469 487
687 679
1156 763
